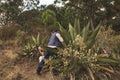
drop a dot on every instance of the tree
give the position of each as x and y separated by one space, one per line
13 8
49 19
94 10
10 9
63 15
29 19
30 4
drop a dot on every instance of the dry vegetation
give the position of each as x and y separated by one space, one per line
15 67
12 65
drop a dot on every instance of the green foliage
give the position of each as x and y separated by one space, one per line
48 17
77 25
11 10
84 62
65 16
65 33
34 43
88 37
93 11
92 37
72 32
37 41
79 56
108 60
27 49
29 20
85 32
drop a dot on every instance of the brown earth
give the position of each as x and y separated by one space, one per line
12 67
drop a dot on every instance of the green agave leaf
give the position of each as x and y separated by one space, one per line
108 60
28 46
116 55
43 42
38 40
65 34
72 32
91 39
85 31
34 40
77 26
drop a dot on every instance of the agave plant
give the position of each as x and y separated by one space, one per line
27 49
33 44
79 60
82 64
88 38
36 41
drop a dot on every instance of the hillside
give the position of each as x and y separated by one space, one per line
14 67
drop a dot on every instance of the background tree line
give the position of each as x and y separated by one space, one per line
95 11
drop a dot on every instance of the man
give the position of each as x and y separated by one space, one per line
55 42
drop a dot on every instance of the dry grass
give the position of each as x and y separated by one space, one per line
12 67
107 38
14 74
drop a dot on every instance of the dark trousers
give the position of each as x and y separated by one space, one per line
41 64
47 54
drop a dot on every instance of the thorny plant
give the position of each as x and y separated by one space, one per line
79 60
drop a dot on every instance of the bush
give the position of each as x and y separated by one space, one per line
8 32
107 37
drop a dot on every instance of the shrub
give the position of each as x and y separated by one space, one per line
21 38
8 32
107 37
32 45
79 60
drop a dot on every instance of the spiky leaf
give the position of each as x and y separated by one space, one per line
43 42
85 31
77 26
91 39
33 40
108 60
65 34
38 40
72 32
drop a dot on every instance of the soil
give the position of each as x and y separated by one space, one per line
13 67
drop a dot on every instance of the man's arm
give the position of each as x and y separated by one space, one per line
59 37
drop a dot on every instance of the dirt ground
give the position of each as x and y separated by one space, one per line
13 67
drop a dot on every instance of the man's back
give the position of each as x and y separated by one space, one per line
55 40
